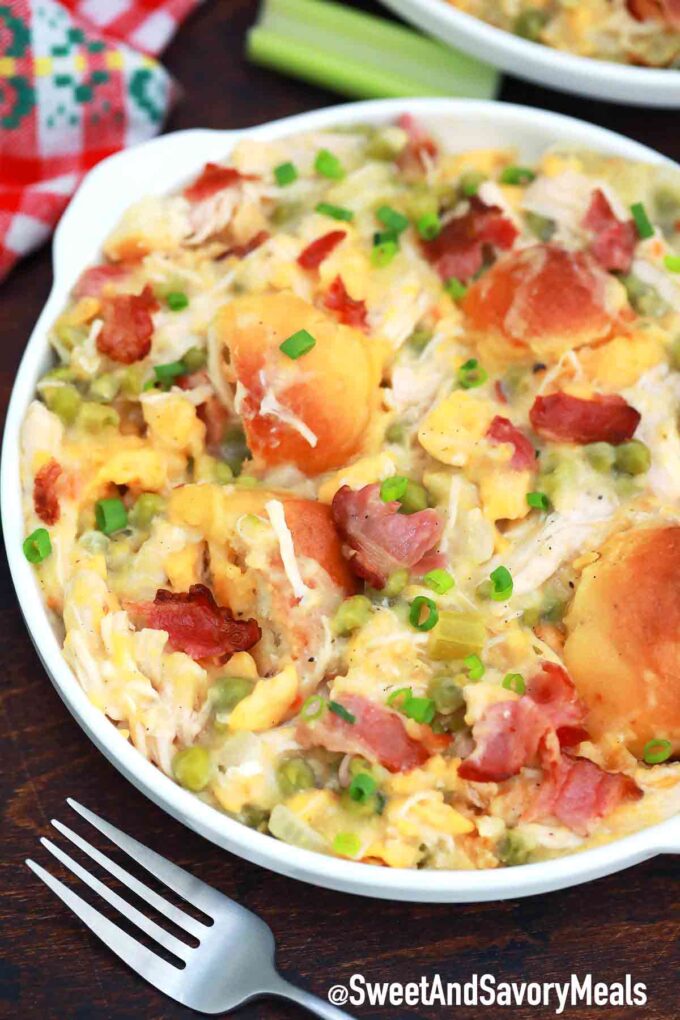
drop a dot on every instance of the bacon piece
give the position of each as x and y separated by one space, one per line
577 792
377 733
313 255
459 249
655 10
45 495
93 280
614 240
214 178
507 737
241 250
128 327
196 624
501 430
381 539
553 690
568 419
349 311
420 149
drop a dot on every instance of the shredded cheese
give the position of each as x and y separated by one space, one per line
275 512
270 405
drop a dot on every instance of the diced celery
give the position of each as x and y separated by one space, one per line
456 635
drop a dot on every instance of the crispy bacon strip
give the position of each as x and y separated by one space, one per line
93 280
563 418
195 623
614 240
459 249
241 250
45 494
553 690
348 310
377 733
420 149
128 327
577 792
214 178
501 430
380 539
655 10
313 255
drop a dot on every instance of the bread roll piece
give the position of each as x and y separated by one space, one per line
623 643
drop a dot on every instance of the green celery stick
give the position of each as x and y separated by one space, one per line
362 56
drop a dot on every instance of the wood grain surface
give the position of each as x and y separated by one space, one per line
52 967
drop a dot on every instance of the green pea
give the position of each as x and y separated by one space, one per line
645 300
396 583
601 456
132 380
422 201
353 613
667 204
293 775
284 212
235 449
105 387
470 181
254 817
540 226
515 848
64 400
191 768
633 457
395 432
419 339
529 24
147 506
96 417
227 691
446 694
194 359
415 498
223 473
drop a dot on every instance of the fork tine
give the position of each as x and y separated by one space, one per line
164 938
151 967
179 917
187 885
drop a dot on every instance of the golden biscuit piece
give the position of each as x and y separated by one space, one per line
312 411
623 643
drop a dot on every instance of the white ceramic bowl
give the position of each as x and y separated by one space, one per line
601 79
159 166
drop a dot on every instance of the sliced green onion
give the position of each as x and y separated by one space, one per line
657 750
421 710
297 344
363 56
336 212
383 253
440 581
110 515
362 787
538 500
471 374
514 682
420 603
642 221
342 712
393 488
313 708
475 667
176 300
501 581
401 695
166 374
38 546
517 175
347 844
672 263
429 226
455 289
328 165
392 219
285 173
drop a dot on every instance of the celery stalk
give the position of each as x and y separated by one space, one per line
360 55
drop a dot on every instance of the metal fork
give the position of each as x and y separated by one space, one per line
234 959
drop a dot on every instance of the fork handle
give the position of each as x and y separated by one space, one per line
312 1003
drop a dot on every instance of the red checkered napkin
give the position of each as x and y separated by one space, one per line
78 81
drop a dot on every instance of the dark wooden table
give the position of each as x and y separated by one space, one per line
52 967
